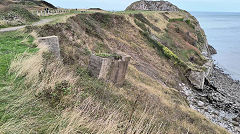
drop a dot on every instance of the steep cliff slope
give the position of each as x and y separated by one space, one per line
43 95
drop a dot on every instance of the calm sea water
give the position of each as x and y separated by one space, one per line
223 33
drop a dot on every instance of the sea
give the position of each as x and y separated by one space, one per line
223 33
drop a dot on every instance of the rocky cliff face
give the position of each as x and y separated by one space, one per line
153 6
196 39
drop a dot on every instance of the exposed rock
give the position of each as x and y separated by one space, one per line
209 67
235 123
221 96
52 43
153 6
108 68
197 78
212 50
200 103
237 119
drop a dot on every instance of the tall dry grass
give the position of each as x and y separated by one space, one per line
39 71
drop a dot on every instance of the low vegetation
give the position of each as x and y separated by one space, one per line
141 18
15 15
107 55
40 94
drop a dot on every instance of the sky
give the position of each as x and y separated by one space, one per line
118 5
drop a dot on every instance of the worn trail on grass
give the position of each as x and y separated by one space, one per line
41 22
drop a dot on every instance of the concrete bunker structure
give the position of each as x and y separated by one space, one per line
52 43
109 69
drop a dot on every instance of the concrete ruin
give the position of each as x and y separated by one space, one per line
109 69
52 43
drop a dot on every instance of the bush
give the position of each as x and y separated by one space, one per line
188 22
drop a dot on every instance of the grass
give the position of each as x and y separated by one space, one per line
176 19
50 97
144 20
107 55
12 44
11 12
141 25
163 50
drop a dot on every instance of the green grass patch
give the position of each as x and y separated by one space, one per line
12 44
12 89
176 19
107 55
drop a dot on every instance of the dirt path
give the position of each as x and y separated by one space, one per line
41 22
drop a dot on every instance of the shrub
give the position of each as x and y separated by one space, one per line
188 22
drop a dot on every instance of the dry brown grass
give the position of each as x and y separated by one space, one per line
38 73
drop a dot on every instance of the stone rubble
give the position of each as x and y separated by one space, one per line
218 100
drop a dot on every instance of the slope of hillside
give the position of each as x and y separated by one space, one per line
27 3
14 13
14 16
43 95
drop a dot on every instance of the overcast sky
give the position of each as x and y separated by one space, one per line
189 5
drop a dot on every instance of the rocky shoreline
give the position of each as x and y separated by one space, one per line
219 100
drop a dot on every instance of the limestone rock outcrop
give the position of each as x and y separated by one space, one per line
153 6
197 77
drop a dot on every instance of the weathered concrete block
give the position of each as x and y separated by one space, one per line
52 43
109 69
